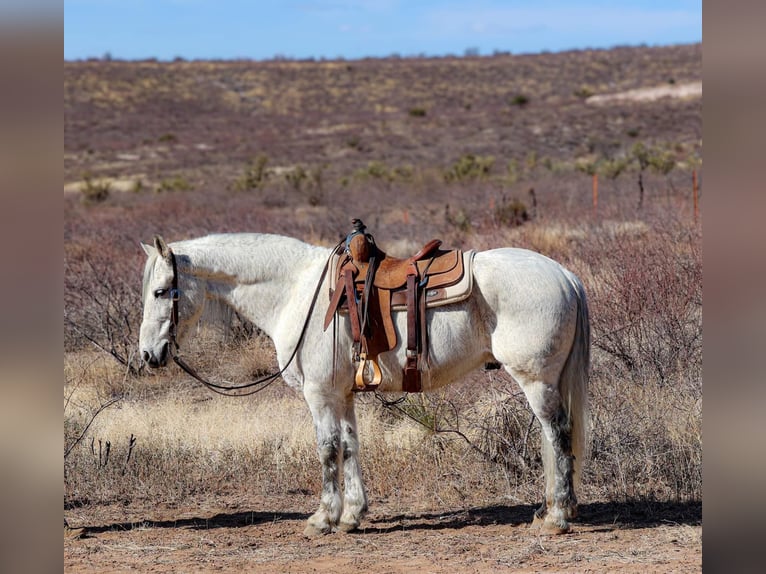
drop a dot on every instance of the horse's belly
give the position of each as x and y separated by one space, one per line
458 343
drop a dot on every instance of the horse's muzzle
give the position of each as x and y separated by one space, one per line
153 361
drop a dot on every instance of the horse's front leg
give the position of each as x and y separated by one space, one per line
354 496
327 425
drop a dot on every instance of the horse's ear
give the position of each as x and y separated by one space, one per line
161 247
148 249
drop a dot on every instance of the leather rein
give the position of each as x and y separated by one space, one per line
253 386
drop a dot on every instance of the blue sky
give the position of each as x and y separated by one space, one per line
261 29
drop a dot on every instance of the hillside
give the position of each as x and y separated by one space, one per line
204 121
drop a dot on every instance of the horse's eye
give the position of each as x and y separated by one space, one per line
160 292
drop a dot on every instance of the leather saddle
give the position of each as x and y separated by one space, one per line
371 285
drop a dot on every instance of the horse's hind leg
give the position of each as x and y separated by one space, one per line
560 498
560 503
354 496
327 425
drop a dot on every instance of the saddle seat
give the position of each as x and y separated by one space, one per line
391 272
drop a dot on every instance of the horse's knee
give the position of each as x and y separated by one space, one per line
328 449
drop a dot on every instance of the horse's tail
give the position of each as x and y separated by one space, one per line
573 387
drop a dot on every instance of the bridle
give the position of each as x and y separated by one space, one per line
245 389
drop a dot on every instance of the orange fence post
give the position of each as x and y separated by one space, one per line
595 192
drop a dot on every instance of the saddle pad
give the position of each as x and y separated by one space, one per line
434 297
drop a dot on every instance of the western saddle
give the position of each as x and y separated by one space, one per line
371 286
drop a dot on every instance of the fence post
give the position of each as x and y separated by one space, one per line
595 192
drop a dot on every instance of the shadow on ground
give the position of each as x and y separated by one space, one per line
602 515
222 520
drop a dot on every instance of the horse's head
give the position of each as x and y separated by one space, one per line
161 297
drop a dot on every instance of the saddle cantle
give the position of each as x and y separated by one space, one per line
371 286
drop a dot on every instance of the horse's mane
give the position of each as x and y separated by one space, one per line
218 314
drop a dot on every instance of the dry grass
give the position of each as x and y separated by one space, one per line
646 441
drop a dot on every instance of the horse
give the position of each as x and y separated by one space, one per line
526 312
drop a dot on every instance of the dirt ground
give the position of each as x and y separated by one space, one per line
265 535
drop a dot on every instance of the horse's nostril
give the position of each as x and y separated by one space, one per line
164 353
146 356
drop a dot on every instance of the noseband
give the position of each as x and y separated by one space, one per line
233 390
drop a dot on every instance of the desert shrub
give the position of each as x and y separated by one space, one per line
583 92
138 185
175 183
656 158
469 167
510 212
662 161
613 167
417 112
375 170
255 175
530 161
102 303
647 304
519 100
404 173
355 142
295 177
315 193
587 165
378 170
512 172
94 190
505 431
459 219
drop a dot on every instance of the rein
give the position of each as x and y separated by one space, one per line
234 390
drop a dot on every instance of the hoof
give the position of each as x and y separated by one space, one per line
537 521
312 531
348 526
554 528
73 533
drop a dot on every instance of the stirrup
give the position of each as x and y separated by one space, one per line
377 376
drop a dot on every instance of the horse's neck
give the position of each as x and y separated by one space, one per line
257 278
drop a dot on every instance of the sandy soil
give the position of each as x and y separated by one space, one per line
688 90
265 535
